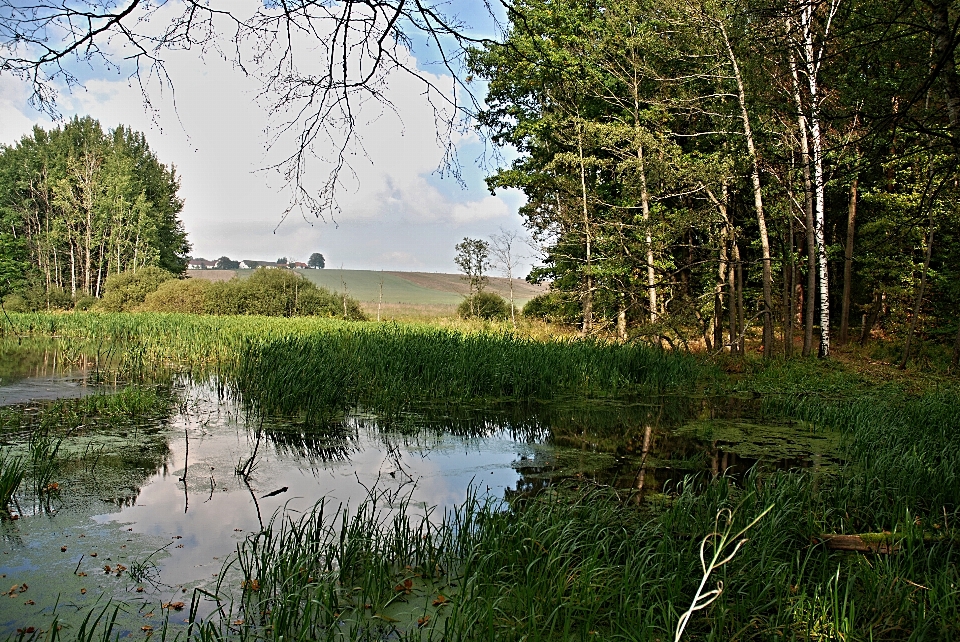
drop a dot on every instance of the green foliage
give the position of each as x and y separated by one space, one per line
317 261
189 296
12 471
85 303
266 292
16 303
127 290
484 305
83 204
553 307
278 293
226 263
473 258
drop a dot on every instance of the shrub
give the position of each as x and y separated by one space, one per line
16 303
485 305
84 302
179 295
274 293
127 290
553 307
322 302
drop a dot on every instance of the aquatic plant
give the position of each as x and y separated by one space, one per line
43 454
390 366
12 471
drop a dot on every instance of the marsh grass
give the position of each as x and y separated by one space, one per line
44 451
575 562
388 366
12 471
578 563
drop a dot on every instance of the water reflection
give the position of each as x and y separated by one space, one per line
182 488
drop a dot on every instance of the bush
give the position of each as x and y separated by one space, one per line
127 290
485 305
16 303
274 293
35 298
180 295
84 302
553 307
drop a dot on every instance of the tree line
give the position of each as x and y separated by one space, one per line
78 204
698 170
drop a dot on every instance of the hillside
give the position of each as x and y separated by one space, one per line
410 288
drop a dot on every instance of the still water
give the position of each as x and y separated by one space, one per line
147 509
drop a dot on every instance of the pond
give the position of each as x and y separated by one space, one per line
146 507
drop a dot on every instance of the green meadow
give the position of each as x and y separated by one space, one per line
364 285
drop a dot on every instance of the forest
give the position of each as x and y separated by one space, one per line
79 204
700 172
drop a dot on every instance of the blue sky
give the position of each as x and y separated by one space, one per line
396 210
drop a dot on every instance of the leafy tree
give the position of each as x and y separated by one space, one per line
282 260
88 204
317 261
484 305
473 257
226 263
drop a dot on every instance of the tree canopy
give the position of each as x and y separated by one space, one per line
81 204
694 170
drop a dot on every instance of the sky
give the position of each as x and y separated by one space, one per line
397 209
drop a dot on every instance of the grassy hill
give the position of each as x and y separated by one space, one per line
409 288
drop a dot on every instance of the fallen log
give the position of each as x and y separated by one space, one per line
879 543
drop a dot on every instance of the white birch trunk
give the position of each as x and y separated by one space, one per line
757 201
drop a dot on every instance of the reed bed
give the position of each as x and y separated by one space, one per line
318 366
389 366
575 563
580 564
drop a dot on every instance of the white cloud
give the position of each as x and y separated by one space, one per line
490 207
214 132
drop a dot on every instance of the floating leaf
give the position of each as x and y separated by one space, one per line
440 600
139 589
63 549
422 621
83 591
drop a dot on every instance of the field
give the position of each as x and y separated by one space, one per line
399 288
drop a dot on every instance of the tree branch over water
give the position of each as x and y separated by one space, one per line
319 62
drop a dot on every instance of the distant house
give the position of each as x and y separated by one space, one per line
201 264
298 265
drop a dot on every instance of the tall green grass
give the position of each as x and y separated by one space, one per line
315 365
580 564
390 366
12 471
